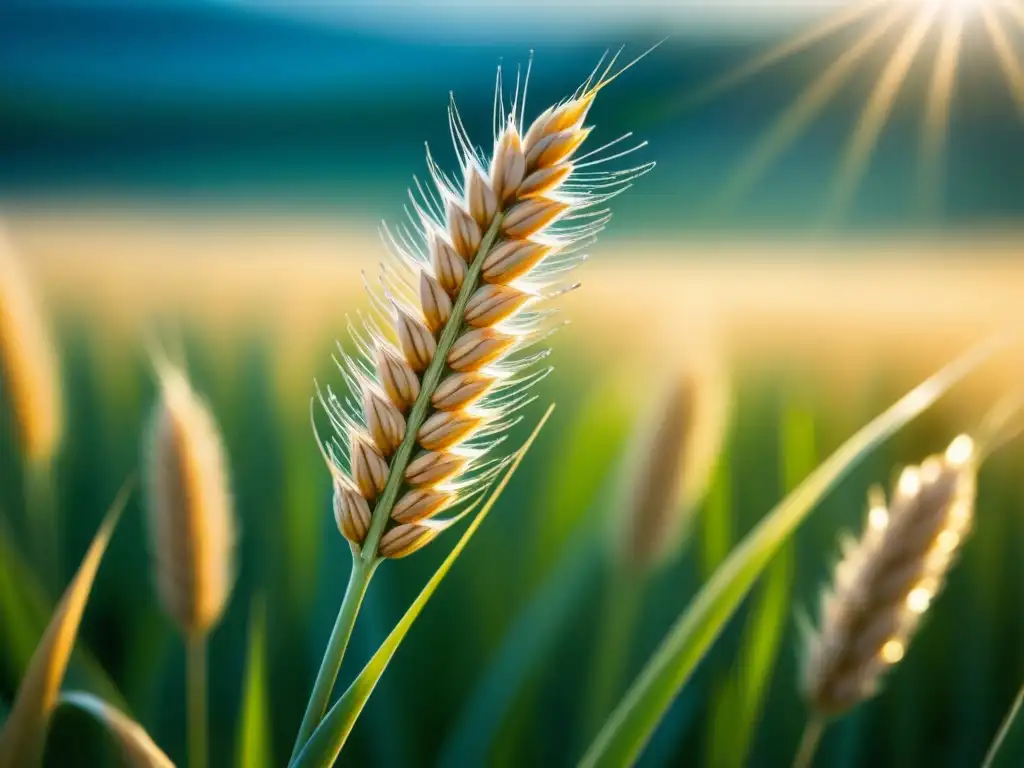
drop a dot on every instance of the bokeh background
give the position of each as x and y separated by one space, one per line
213 174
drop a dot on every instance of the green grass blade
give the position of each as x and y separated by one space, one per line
21 741
140 751
254 745
523 651
627 731
1004 730
590 448
715 522
24 608
737 710
327 740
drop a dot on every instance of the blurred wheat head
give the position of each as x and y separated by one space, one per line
887 579
28 362
672 458
441 363
191 516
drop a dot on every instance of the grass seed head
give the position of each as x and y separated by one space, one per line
28 362
887 579
191 515
674 456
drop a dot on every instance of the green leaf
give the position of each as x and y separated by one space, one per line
716 534
327 740
21 741
627 731
139 750
254 745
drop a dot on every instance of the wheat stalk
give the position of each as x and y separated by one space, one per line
887 579
441 365
191 527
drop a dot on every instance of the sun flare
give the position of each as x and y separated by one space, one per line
909 30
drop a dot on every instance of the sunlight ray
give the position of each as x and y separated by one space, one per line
808 105
935 127
745 71
876 113
1008 61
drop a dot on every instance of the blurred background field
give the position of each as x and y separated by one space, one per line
214 173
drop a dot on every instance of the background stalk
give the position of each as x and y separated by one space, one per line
197 724
619 610
809 742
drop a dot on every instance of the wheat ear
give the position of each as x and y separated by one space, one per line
28 361
30 380
440 368
887 579
191 527
673 457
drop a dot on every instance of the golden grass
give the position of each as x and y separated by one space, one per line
842 308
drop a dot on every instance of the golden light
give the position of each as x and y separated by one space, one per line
919 599
918 22
878 518
910 481
960 450
948 541
892 651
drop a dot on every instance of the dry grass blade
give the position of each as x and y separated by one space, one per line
137 747
23 736
28 362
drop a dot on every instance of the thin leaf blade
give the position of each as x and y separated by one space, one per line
631 725
254 745
21 742
140 751
327 740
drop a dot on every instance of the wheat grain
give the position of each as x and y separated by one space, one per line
28 362
887 579
430 397
191 517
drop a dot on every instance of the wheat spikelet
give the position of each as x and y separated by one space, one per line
28 362
440 366
673 457
191 519
886 580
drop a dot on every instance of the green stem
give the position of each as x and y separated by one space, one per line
418 412
358 581
196 672
809 743
1004 730
42 517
